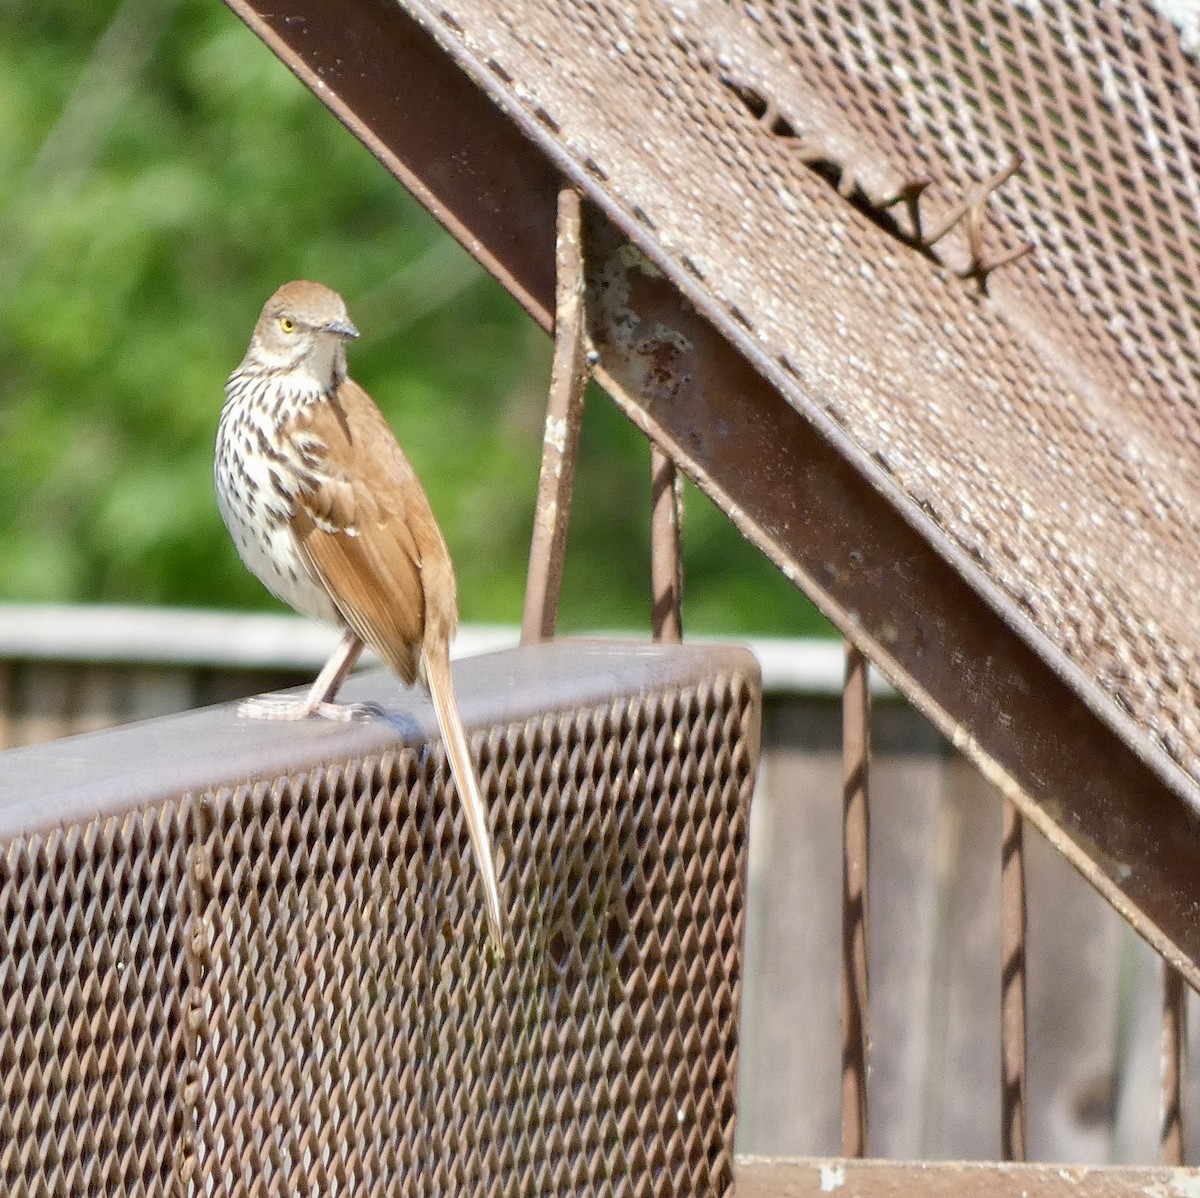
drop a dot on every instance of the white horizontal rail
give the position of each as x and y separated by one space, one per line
181 636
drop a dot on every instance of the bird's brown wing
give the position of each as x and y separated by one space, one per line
365 530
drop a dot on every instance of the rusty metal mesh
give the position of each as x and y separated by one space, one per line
93 982
286 988
1043 431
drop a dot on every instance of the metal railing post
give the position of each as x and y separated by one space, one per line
856 754
666 558
1012 994
564 416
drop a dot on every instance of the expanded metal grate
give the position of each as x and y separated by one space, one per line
1038 422
285 987
93 1006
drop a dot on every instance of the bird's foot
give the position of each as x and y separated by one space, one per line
270 707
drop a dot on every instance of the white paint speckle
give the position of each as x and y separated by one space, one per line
833 1177
1183 1184
556 433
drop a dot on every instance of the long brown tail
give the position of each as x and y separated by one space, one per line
441 691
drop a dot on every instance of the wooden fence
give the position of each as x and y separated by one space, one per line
934 1088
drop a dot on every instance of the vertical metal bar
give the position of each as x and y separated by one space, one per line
666 559
856 754
1174 1043
564 415
1012 994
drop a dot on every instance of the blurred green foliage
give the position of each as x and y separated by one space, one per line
160 174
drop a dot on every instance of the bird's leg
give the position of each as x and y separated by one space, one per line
319 700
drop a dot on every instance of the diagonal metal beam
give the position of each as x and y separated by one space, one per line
897 599
1126 823
390 84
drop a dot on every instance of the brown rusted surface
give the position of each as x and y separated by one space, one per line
953 1179
971 212
856 837
907 607
1035 437
253 960
564 417
989 496
666 551
1013 1031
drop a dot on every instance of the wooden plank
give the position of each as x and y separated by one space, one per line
935 959
791 1045
886 1179
962 1038
1138 1034
8 698
790 1030
1075 940
907 805
43 705
159 690
99 702
1191 1083
225 686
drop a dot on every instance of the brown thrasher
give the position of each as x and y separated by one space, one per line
327 512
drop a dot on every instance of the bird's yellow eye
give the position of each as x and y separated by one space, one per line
287 324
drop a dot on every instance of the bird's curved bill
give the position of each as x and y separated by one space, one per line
343 328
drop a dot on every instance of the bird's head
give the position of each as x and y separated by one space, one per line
303 330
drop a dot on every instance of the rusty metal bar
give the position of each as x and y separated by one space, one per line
564 416
1012 986
387 80
856 815
489 168
666 557
1174 1048
759 1178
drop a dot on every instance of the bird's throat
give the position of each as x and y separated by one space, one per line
324 366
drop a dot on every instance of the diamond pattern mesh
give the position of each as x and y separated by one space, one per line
93 984
286 987
1044 431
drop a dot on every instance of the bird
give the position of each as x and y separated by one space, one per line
327 512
